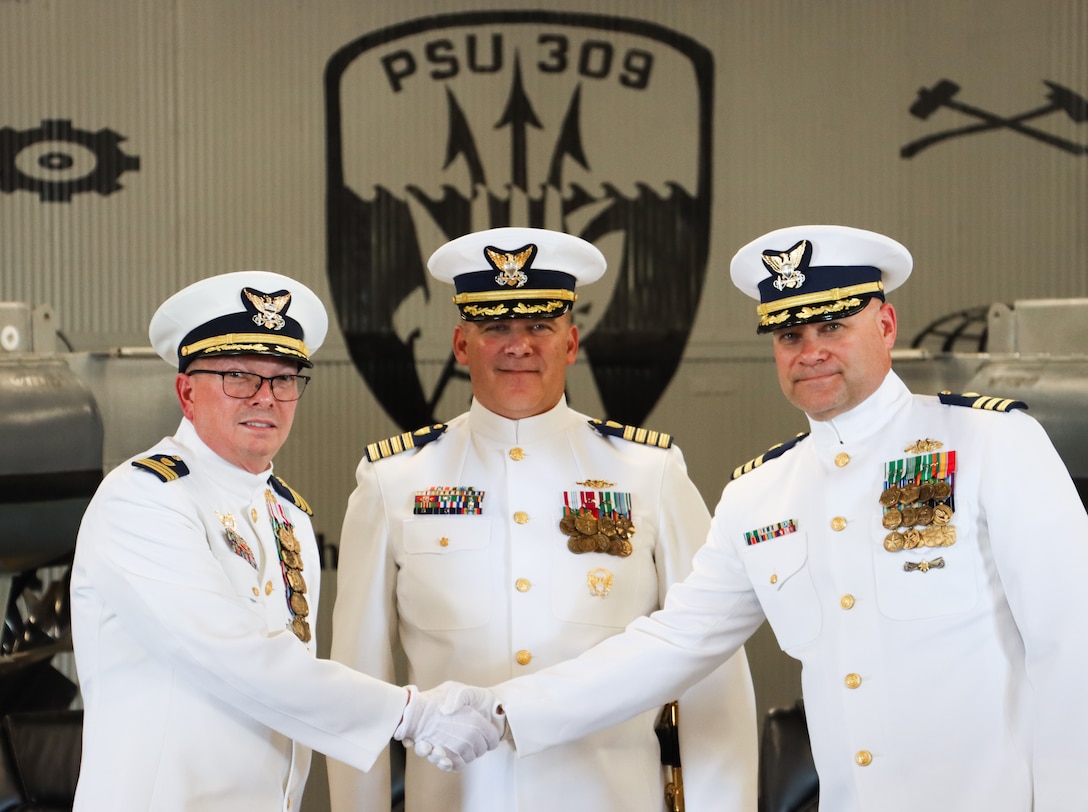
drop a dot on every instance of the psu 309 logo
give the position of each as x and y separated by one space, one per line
593 125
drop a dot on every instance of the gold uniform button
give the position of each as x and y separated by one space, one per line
853 681
863 758
523 584
268 588
516 454
521 517
838 523
842 460
774 579
256 592
253 513
443 542
523 657
846 601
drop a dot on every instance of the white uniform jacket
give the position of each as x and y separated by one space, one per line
948 685
197 695
481 598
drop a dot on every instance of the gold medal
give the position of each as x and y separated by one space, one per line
925 491
299 605
941 490
292 559
942 514
949 536
288 540
891 519
596 534
893 542
586 523
295 580
626 548
908 494
890 497
301 627
925 516
909 517
911 539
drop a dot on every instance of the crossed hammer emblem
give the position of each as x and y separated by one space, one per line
1059 100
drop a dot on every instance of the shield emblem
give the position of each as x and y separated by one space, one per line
594 125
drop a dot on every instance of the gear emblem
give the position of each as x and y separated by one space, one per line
57 161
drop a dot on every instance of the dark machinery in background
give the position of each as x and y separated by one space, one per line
56 409
65 419
50 464
1035 350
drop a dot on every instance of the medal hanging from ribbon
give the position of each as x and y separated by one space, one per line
918 501
598 522
236 543
291 567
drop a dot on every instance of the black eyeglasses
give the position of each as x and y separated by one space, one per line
239 384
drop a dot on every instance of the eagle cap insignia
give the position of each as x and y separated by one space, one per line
788 264
510 265
269 307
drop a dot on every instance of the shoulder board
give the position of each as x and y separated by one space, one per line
610 428
403 442
287 492
165 466
769 454
977 401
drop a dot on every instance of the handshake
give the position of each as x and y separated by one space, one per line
451 724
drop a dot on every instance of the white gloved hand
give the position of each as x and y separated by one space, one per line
446 726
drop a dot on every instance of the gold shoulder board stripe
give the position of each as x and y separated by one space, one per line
403 442
611 428
166 467
287 492
770 454
977 401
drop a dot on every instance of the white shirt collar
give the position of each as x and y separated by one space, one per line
867 418
502 430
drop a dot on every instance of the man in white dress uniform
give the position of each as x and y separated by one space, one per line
924 557
517 536
195 585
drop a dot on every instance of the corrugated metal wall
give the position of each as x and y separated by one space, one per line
222 104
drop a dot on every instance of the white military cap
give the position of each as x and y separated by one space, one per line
805 274
516 273
242 313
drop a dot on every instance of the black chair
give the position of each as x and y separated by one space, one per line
39 760
787 774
